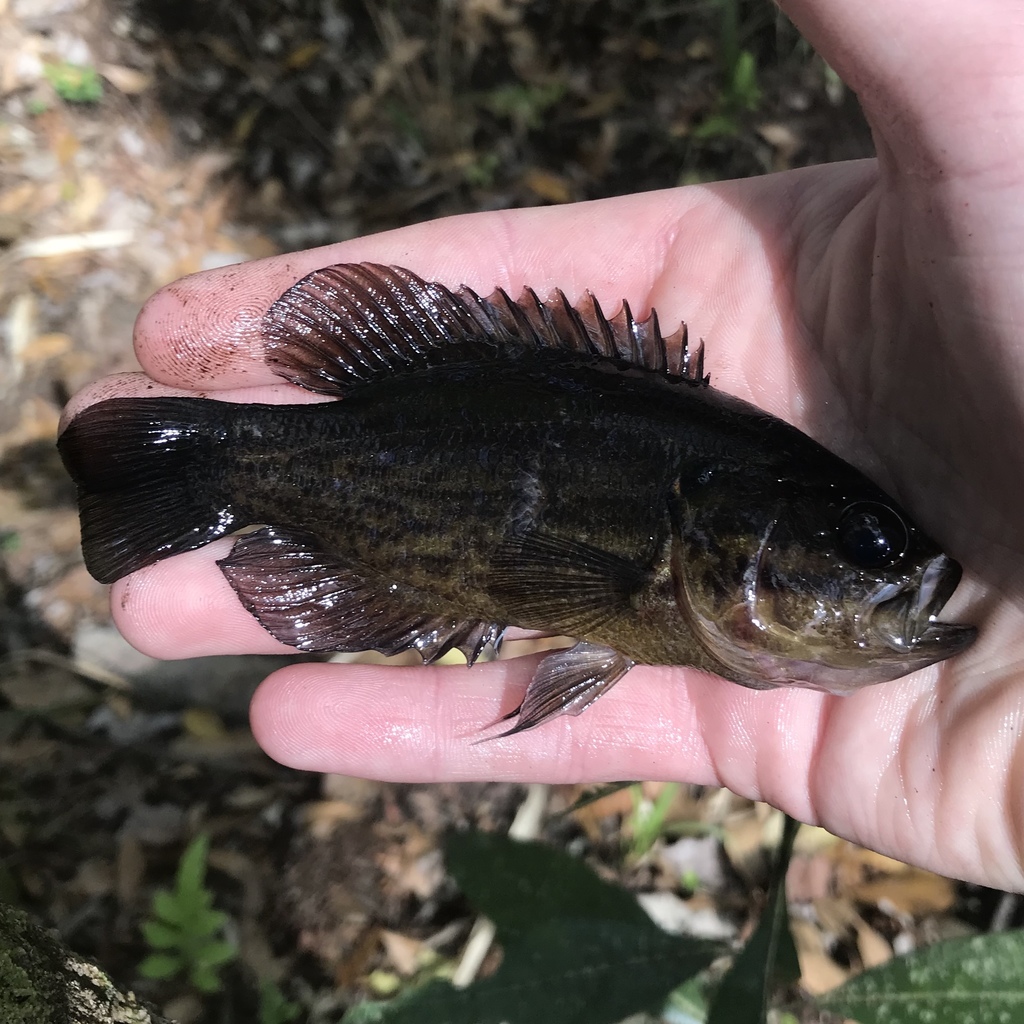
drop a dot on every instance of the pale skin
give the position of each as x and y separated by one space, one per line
878 305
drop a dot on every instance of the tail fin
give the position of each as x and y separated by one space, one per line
144 469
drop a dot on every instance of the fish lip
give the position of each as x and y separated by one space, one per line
908 622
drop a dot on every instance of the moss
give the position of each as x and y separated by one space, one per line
31 972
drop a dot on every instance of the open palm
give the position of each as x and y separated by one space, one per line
873 304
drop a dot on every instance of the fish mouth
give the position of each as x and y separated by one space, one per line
908 623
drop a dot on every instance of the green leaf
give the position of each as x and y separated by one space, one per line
160 936
205 979
213 954
745 90
716 126
168 909
577 950
980 978
520 886
648 818
186 923
202 922
687 1002
374 1012
192 868
274 1007
565 972
768 959
75 83
161 965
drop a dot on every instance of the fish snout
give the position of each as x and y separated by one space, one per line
908 622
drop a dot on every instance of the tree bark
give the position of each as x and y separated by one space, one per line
41 982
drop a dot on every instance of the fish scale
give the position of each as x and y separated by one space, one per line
431 511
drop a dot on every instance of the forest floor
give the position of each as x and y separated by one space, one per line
141 140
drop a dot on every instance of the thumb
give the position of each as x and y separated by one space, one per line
941 81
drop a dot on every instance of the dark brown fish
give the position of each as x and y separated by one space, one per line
497 463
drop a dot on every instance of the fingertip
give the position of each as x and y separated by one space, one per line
184 607
205 330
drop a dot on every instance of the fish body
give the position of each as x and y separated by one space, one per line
496 463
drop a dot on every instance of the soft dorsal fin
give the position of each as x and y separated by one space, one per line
354 323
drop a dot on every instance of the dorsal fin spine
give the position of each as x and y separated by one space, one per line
608 346
659 341
526 329
351 324
544 329
634 353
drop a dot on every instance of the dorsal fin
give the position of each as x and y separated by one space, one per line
354 323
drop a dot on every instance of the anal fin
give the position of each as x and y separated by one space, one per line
567 682
314 601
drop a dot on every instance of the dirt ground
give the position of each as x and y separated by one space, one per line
145 139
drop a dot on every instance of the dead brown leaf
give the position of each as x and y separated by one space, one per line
46 346
744 839
91 194
130 81
818 971
405 953
14 200
591 816
873 948
914 892
322 816
547 185
203 724
303 56
354 964
358 792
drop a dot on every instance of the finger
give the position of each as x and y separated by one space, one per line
140 385
710 254
184 607
939 81
424 723
864 766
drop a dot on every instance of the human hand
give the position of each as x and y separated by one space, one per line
872 304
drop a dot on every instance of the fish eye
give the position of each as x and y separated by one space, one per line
871 535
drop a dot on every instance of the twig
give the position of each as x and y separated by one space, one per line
90 673
1005 910
67 245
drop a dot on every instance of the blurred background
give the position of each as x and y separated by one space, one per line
141 140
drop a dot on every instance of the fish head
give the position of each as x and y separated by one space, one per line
803 572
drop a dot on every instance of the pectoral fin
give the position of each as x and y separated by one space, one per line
311 600
566 683
554 583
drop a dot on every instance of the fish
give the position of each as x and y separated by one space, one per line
492 463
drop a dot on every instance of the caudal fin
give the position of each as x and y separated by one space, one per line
140 465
